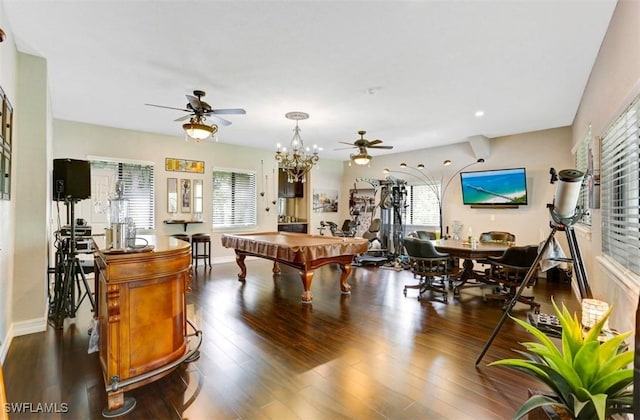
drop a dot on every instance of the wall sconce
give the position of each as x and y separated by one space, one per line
592 311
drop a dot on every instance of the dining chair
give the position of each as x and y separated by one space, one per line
509 271
430 267
497 236
422 234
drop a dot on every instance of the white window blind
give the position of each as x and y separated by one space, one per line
619 184
234 199
423 207
139 187
582 164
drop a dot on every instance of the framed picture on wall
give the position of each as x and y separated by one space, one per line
185 195
325 201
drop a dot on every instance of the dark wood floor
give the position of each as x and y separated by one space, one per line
372 354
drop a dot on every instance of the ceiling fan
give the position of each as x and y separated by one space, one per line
362 157
198 111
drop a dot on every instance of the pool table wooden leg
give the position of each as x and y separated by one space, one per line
243 268
307 277
276 268
344 286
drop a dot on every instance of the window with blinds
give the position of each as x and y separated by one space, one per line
619 184
582 164
423 209
139 187
234 199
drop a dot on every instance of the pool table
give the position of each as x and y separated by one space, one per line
299 250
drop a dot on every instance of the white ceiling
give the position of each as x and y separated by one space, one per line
410 73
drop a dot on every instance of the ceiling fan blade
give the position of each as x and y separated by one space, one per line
218 120
344 142
195 103
169 107
374 142
380 147
229 111
186 117
344 148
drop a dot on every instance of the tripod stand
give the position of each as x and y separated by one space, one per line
69 278
561 224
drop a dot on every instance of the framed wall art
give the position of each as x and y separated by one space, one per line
325 201
185 195
184 165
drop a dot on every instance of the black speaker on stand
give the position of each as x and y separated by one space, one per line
71 183
71 179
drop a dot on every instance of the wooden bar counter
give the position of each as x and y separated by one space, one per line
141 310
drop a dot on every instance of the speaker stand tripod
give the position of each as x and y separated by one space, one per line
69 279
565 225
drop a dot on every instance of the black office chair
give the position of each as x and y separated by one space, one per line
431 267
509 271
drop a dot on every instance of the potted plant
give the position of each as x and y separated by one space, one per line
590 378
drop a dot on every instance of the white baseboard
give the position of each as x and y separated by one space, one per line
4 348
21 328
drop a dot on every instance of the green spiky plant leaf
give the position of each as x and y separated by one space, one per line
588 378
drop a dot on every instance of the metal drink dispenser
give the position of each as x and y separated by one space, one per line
118 211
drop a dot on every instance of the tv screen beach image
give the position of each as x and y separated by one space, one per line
505 186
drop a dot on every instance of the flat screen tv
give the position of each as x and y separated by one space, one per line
494 187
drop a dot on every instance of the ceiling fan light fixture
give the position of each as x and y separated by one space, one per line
196 129
361 158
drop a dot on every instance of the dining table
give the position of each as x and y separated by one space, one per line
468 276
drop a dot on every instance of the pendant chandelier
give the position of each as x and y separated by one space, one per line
298 160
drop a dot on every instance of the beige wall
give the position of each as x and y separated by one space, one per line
8 81
78 140
23 219
537 152
612 85
32 175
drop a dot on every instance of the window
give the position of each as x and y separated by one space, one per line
423 209
620 196
234 199
138 181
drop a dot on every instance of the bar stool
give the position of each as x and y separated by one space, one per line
203 252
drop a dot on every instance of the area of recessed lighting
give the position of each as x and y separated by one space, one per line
479 113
